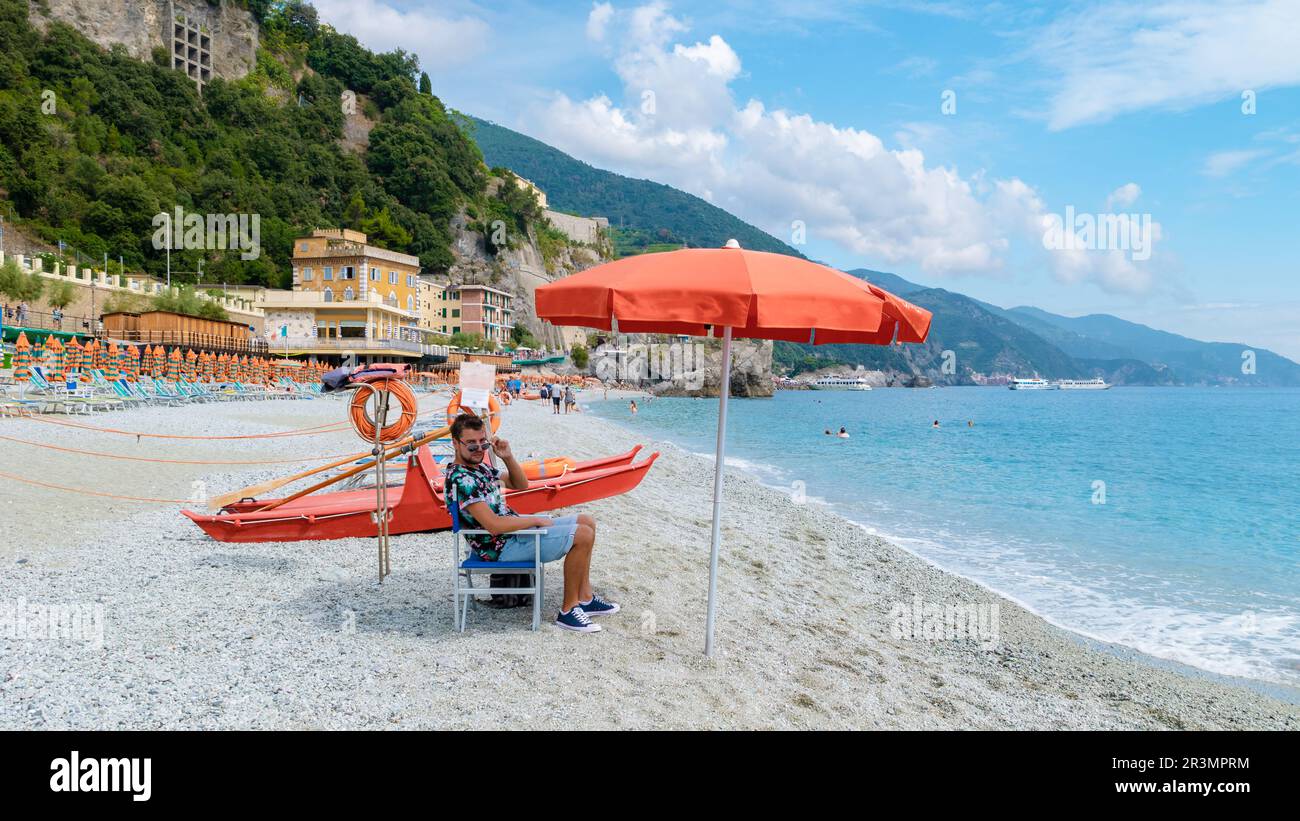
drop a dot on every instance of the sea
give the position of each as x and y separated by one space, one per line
1162 519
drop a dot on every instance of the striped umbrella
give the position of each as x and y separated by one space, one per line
191 371
244 372
159 364
73 359
96 349
54 355
174 365
205 367
38 353
110 363
22 362
132 363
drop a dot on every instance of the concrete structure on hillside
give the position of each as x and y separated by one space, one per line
579 229
202 38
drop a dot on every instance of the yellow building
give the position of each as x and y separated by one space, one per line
348 298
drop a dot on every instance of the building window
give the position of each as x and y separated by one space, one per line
329 273
455 312
303 247
374 274
346 272
306 274
348 295
392 277
329 295
410 306
392 298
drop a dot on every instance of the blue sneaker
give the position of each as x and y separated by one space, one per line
598 606
576 620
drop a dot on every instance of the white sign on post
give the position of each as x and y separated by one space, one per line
476 382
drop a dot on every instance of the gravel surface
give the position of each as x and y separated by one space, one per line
180 631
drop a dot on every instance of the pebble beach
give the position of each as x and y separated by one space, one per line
814 621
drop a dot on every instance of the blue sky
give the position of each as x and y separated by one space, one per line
831 115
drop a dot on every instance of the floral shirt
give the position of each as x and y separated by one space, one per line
466 485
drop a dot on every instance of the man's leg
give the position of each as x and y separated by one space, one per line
585 591
577 568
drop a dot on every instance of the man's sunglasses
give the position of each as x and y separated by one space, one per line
475 447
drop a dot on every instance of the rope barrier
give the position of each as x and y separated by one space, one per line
173 461
93 492
330 428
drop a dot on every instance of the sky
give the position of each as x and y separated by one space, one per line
960 145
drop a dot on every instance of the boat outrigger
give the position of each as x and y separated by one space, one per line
416 506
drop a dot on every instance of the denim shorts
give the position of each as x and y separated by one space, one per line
556 542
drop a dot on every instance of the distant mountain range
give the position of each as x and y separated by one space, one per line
985 340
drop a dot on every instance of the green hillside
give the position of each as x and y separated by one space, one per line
644 214
126 140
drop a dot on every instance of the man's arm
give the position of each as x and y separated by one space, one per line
514 478
497 525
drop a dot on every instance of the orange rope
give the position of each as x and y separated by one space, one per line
330 428
94 492
400 391
174 461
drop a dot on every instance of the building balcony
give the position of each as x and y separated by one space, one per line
349 344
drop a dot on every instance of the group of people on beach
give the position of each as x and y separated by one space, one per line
559 395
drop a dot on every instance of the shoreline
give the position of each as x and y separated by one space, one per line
1282 691
201 634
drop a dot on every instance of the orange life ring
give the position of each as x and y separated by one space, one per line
494 411
365 426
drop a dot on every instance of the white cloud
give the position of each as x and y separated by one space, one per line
442 41
1223 163
598 20
1118 57
1124 196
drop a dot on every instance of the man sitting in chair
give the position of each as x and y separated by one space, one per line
476 486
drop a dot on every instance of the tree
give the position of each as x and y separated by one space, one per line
355 214
61 294
18 284
579 356
521 337
426 86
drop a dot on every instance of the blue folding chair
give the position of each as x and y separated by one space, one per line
464 569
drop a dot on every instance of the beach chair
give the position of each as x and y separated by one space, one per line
464 569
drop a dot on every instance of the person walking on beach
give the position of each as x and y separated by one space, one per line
474 485
569 399
556 396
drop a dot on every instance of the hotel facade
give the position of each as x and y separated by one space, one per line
349 298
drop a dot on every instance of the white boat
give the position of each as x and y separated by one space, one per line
840 383
1097 384
1034 384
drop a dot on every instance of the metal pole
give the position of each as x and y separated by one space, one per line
720 456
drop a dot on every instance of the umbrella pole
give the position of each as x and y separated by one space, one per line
724 393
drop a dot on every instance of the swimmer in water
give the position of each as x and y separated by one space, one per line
633 406
843 433
936 424
970 423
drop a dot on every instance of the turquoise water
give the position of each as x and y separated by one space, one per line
1164 519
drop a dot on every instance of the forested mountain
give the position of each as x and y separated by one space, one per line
645 214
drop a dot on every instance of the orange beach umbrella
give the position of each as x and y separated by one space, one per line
22 361
726 292
54 374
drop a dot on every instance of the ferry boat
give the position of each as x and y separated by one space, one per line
1096 384
1034 384
840 383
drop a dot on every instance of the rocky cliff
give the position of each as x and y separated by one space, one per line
143 25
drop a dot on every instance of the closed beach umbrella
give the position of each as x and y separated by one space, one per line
174 365
97 354
54 356
38 353
110 362
726 292
22 362
159 362
191 366
132 363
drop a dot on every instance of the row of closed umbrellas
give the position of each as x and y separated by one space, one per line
76 361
